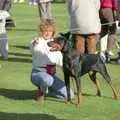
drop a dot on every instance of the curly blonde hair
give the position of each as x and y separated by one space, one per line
47 25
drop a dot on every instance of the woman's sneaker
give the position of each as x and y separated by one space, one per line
110 53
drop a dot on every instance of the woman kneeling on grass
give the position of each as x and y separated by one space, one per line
44 64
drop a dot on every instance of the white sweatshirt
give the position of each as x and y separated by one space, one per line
41 54
3 16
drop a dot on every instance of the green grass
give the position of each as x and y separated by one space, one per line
17 92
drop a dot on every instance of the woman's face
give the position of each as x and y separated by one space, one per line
47 34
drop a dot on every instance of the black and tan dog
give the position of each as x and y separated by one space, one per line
77 65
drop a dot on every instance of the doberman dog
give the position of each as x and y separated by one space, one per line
76 65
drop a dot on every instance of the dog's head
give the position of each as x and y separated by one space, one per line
58 43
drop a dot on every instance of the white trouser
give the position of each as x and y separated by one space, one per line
103 43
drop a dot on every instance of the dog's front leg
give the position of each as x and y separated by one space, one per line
67 83
79 92
78 71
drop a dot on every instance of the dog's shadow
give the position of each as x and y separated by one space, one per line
94 95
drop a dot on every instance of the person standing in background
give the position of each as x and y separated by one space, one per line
3 34
5 6
44 8
84 24
108 21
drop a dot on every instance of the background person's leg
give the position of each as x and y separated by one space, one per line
79 42
48 10
4 46
111 37
91 43
42 11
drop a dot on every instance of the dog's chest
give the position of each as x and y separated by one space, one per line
71 62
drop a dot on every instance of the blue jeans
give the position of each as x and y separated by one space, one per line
51 85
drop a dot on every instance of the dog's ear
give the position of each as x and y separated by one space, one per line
66 35
62 34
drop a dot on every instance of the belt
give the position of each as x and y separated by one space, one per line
41 67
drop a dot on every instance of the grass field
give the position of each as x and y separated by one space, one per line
17 93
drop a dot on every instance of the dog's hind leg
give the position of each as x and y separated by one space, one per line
115 96
92 76
106 76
